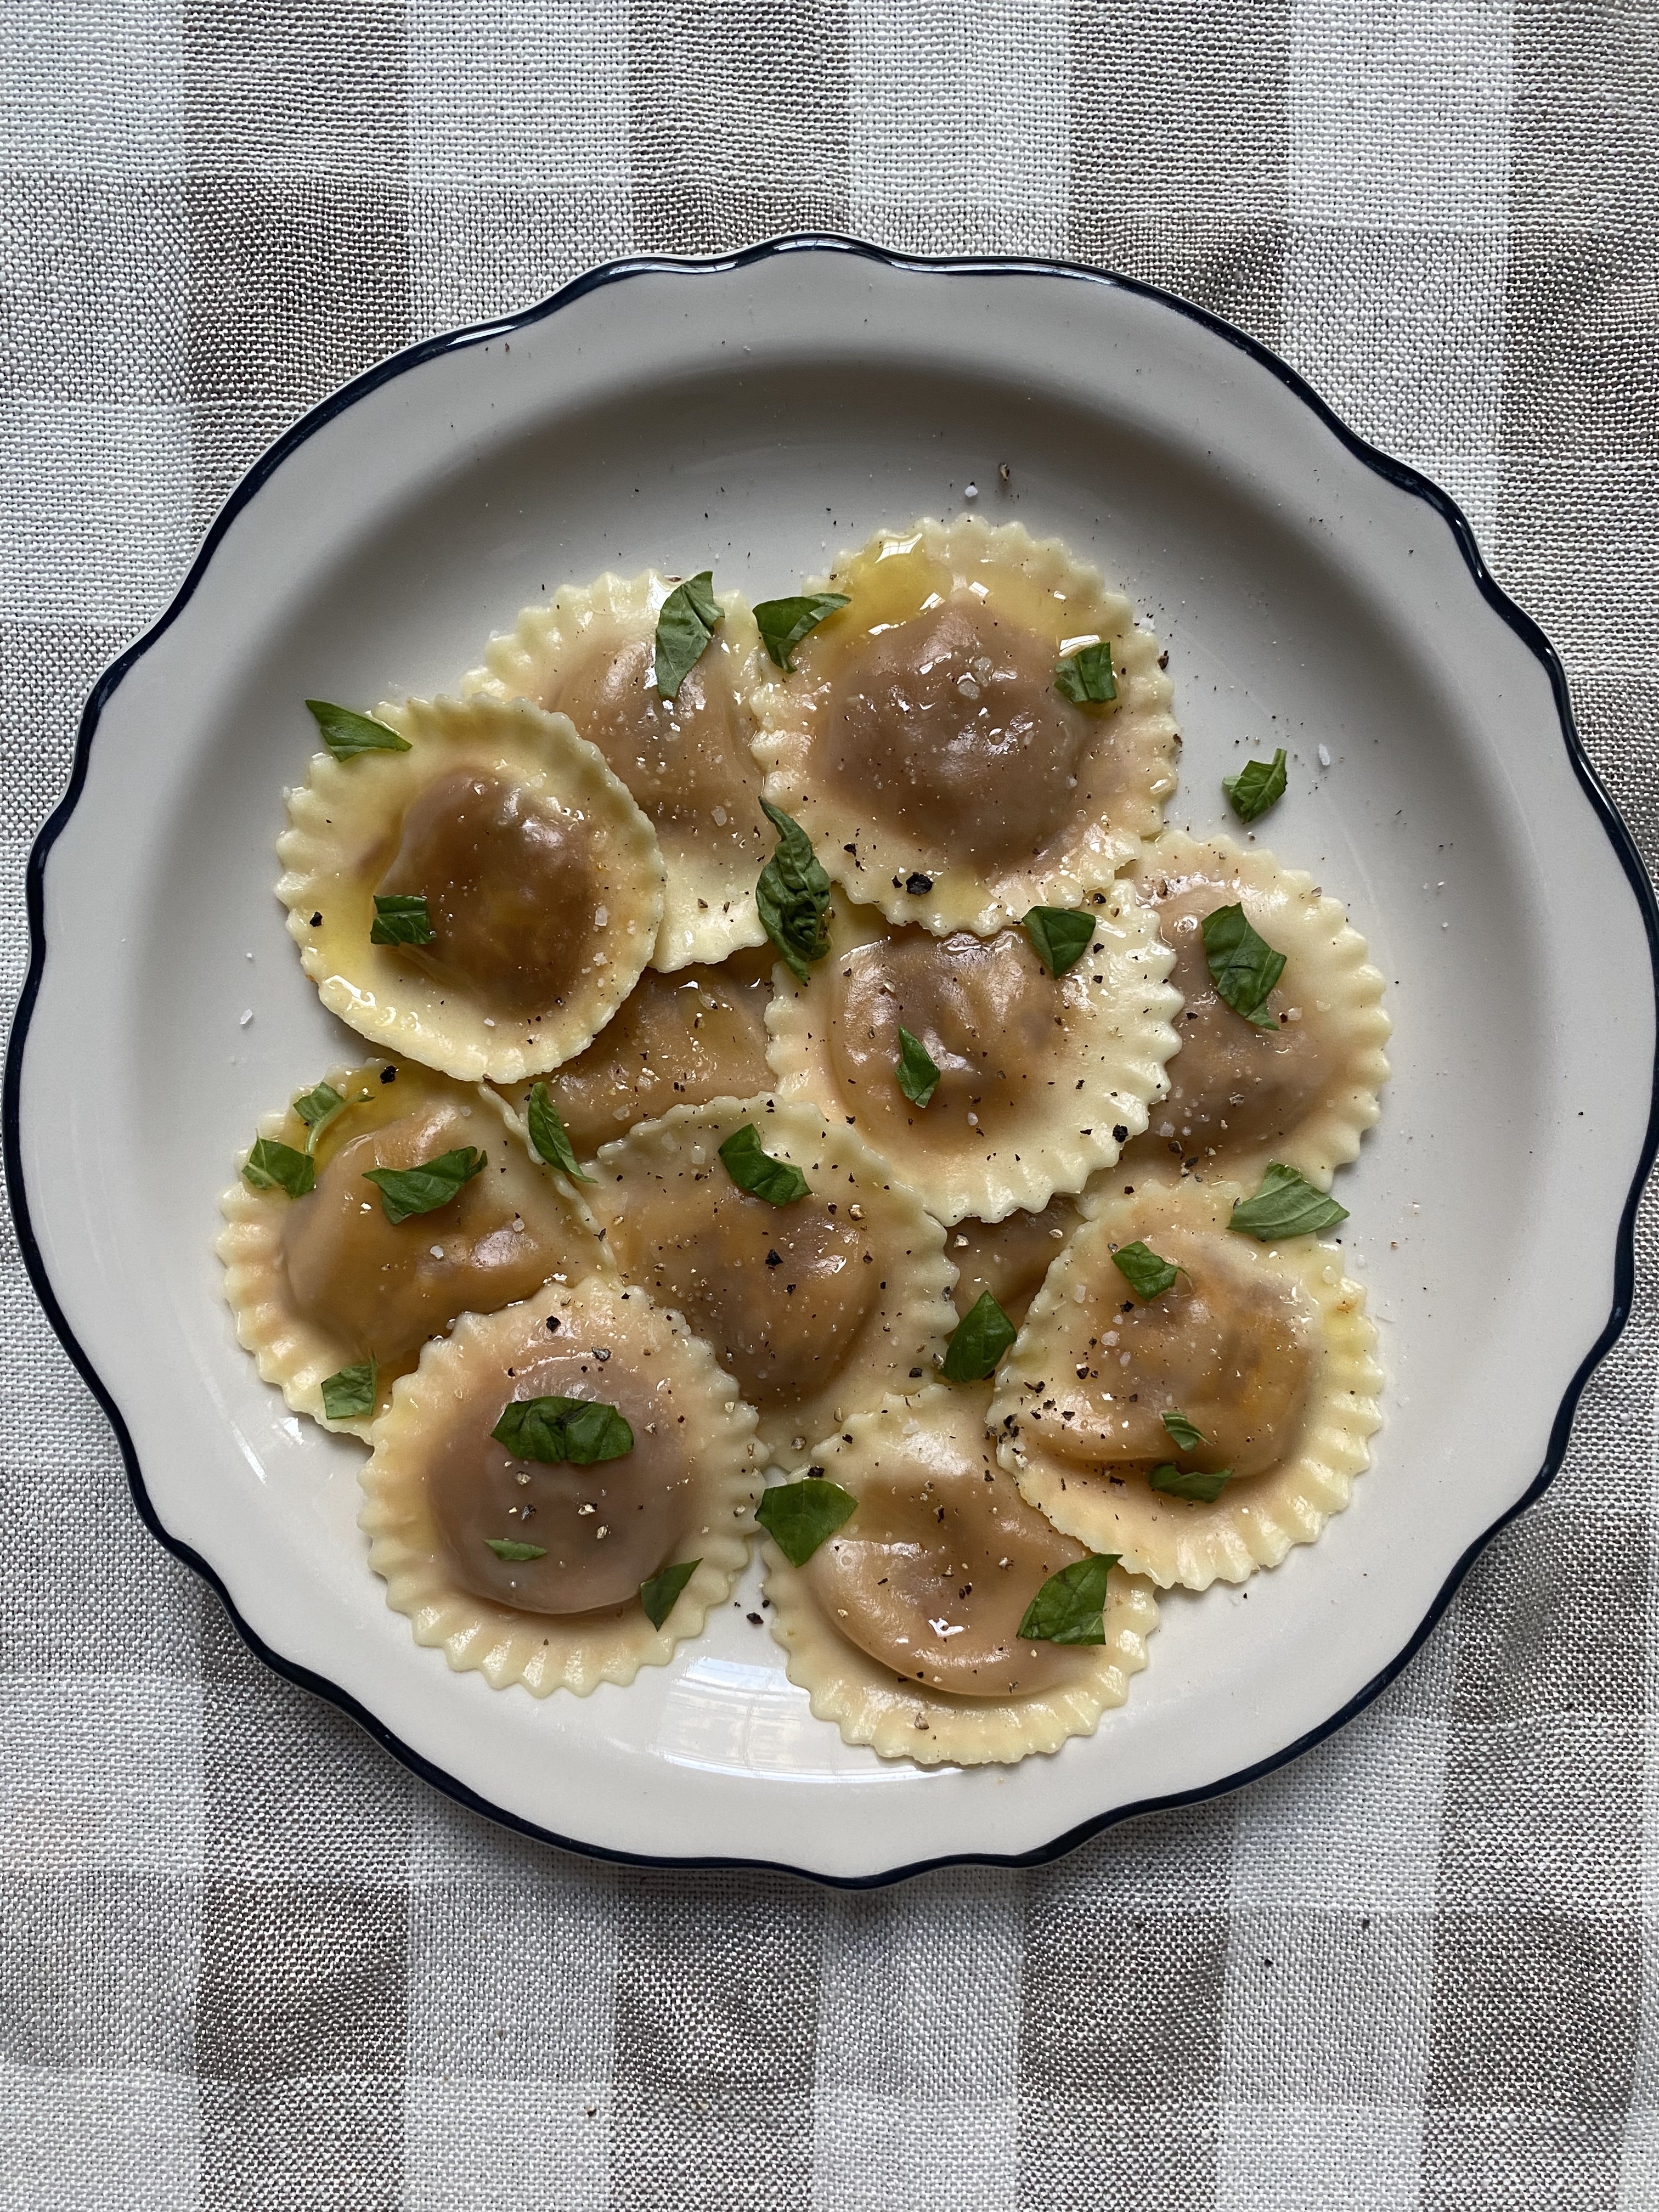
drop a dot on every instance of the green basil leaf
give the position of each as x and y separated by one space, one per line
402 919
1258 785
1070 1607
317 1105
1182 1431
1243 967
1147 1275
347 734
548 1138
685 626
783 622
918 1077
1059 936
757 1172
978 1342
350 1396
798 1516
793 896
1287 1204
659 1594
1190 1482
508 1547
1085 676
274 1166
557 1431
406 1191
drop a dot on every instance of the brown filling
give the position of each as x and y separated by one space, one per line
603 1529
990 1021
1009 1258
932 1577
1224 1348
383 1291
678 1040
949 725
511 888
780 1292
682 758
1229 1083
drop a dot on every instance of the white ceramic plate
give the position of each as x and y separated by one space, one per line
753 416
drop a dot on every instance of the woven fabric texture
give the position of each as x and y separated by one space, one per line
246 1960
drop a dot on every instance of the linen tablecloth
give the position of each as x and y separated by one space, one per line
246 1960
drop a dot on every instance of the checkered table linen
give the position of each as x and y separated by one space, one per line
246 1960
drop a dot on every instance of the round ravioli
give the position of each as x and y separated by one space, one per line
904 1625
820 1301
687 760
678 1040
1009 1258
483 902
1040 1080
1299 1085
327 1281
927 743
592 1534
1200 1432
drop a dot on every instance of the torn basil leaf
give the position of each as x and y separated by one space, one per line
918 1077
798 1516
1147 1275
783 622
1258 785
1287 1205
756 1171
1085 676
401 919
793 896
1189 1482
659 1594
560 1431
509 1548
685 626
1059 936
407 1191
1070 1607
347 734
978 1342
350 1396
548 1138
316 1109
1243 967
274 1166
1182 1431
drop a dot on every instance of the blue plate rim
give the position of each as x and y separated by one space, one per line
611 272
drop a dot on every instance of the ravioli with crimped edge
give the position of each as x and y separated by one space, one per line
905 1624
981 729
1007 1259
590 653
560 1492
989 1082
792 1245
677 1039
324 1283
1296 1079
1185 1395
483 898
